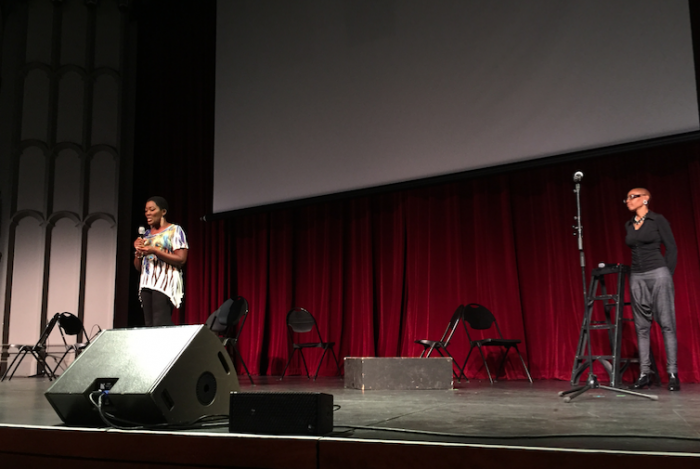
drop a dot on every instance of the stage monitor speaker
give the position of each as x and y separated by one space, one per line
156 375
283 413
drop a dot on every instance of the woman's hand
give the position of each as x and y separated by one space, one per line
138 254
178 258
146 249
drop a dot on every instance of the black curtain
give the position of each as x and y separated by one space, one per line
174 123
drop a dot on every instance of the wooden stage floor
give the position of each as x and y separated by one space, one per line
474 425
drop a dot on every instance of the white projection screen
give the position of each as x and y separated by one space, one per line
317 97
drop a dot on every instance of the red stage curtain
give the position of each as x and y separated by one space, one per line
379 272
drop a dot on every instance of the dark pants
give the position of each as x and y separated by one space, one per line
653 300
157 308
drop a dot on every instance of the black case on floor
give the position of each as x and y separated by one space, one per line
282 413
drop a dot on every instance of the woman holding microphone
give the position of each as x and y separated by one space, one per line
160 254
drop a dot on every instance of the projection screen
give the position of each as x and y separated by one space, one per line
322 97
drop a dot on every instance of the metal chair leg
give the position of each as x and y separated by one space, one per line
337 363
486 365
464 366
21 353
41 360
524 365
454 362
288 362
240 357
320 362
55 369
301 352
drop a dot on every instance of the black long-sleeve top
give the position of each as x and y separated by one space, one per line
646 244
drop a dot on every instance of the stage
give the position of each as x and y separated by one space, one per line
476 424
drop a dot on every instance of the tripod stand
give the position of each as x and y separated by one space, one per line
589 298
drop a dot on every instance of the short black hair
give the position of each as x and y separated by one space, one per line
159 201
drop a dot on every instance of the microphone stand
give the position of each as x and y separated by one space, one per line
579 230
592 380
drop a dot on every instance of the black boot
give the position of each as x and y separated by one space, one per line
674 384
645 380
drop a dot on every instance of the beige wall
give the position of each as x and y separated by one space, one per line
61 154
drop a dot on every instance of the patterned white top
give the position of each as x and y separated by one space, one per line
158 275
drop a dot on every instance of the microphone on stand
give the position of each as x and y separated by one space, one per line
578 175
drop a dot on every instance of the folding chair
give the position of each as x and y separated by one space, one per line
440 345
300 323
71 325
223 323
38 351
480 318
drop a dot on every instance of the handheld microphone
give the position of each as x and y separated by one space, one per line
142 231
578 175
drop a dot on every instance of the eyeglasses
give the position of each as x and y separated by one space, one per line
631 197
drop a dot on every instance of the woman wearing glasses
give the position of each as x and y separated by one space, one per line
651 283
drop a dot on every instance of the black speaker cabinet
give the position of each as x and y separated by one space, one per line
153 375
283 413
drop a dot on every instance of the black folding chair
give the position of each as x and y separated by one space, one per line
480 318
38 351
223 322
301 324
430 345
71 325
